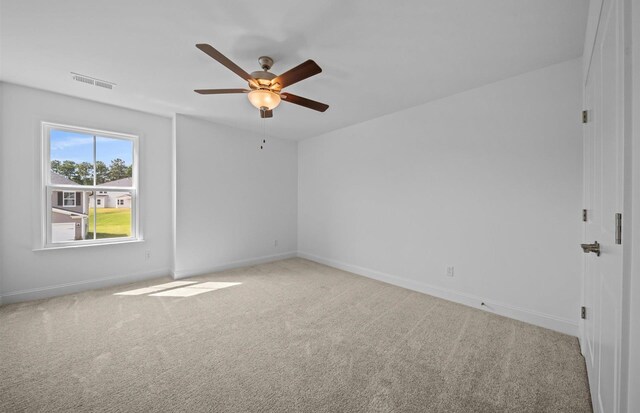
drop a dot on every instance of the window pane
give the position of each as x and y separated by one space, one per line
71 155
114 161
69 215
69 199
112 215
80 158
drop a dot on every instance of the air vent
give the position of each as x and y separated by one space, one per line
83 79
104 84
92 81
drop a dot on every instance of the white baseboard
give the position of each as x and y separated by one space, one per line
529 316
78 286
551 322
192 272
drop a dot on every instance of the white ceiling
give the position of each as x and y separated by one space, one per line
377 57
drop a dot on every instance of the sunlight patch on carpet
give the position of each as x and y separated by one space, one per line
192 290
156 288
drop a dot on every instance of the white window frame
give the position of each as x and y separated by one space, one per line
48 188
65 199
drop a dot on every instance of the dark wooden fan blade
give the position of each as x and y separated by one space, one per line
208 49
307 103
220 91
266 114
298 73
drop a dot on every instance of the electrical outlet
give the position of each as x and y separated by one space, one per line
147 255
449 271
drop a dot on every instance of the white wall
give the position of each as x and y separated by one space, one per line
233 200
487 181
28 274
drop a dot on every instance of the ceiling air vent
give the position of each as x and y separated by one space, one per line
105 85
83 79
92 81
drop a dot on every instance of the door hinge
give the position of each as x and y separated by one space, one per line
585 116
584 215
583 312
619 228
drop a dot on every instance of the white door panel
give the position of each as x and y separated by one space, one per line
603 178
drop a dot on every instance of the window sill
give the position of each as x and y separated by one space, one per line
98 244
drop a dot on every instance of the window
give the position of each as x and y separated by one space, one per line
68 199
84 169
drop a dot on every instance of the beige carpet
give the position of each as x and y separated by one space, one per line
293 336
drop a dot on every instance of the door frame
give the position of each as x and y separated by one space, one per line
591 32
630 400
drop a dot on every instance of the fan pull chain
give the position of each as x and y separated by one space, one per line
264 133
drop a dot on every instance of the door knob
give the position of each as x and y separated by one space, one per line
595 248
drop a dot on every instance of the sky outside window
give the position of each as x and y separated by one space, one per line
72 156
78 147
71 146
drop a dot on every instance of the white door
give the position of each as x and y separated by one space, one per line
603 177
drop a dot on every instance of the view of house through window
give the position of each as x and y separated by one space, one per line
90 185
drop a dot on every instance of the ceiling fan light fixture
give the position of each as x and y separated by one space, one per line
265 93
262 98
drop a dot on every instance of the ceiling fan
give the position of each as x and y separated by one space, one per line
265 88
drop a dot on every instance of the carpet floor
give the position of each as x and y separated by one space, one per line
288 336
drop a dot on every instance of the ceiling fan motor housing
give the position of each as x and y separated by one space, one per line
263 77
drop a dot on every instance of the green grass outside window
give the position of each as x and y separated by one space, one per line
111 223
